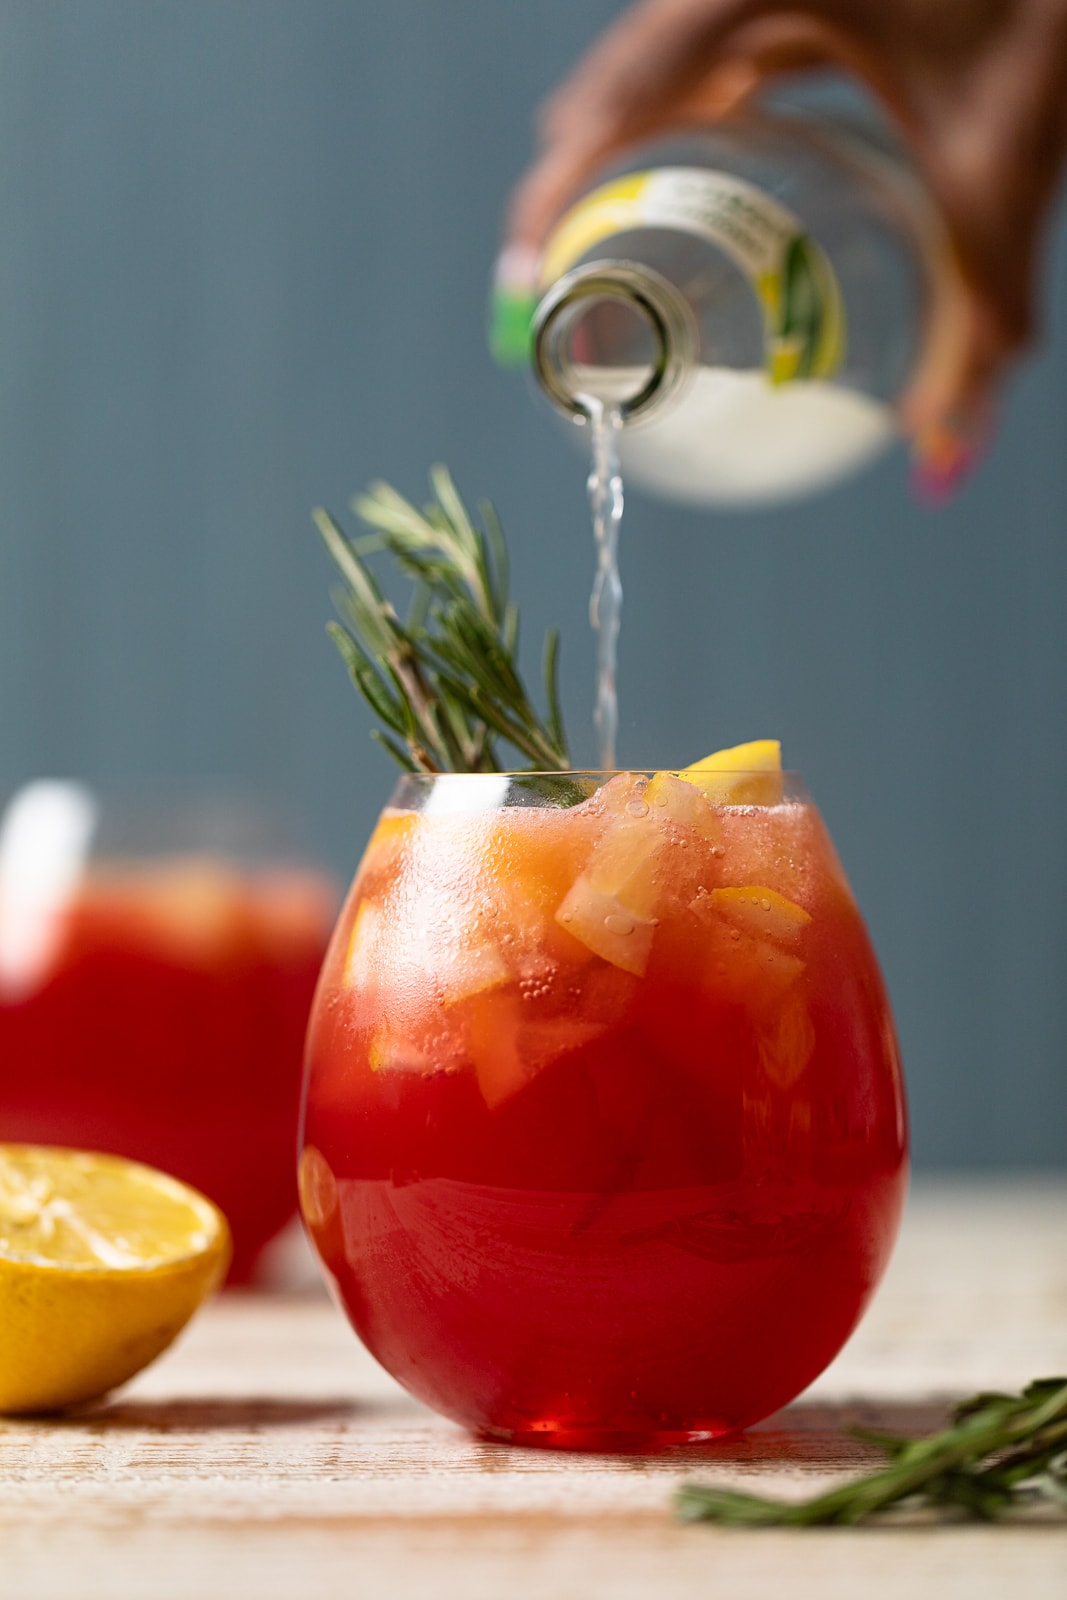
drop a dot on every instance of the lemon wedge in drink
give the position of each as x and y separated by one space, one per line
745 775
102 1263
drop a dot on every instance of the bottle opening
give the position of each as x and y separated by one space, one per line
611 334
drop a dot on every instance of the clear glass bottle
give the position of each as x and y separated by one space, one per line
750 298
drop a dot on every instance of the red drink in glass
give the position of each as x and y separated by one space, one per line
604 1135
166 1024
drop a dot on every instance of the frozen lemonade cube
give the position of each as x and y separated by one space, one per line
437 929
685 803
661 836
360 961
406 980
469 969
525 866
625 861
610 907
616 796
522 912
607 926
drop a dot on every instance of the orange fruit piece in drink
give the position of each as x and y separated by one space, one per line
751 937
761 912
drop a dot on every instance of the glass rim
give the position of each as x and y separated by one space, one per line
595 772
455 793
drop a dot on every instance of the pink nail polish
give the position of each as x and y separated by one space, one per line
944 455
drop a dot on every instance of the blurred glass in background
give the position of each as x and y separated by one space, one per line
157 961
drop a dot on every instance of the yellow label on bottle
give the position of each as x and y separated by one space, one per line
803 313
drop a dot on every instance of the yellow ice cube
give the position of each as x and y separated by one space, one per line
606 924
680 800
471 969
610 907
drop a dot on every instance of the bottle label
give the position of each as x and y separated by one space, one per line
803 313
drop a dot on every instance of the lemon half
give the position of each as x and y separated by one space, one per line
102 1263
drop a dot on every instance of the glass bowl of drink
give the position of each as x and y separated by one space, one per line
158 955
603 1139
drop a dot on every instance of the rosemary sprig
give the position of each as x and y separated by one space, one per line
445 681
1001 1453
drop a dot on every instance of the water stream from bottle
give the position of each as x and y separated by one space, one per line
605 604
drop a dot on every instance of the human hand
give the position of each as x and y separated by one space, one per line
978 89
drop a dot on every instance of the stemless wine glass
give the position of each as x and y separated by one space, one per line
603 1136
158 955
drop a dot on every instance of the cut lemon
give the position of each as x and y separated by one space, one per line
102 1263
745 775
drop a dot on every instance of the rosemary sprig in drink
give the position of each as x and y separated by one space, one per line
445 680
1002 1452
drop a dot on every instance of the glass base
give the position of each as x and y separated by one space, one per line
606 1441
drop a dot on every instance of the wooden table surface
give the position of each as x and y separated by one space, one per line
267 1456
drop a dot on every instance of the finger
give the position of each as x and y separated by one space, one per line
627 87
981 313
655 54
667 63
992 157
947 410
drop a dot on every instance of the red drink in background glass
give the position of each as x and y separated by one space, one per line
162 1018
604 1133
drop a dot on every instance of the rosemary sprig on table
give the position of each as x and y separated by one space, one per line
445 680
1001 1453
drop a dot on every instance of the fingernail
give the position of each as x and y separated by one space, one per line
512 303
944 454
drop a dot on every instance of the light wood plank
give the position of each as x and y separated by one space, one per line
268 1454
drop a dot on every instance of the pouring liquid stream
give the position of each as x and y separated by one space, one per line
605 604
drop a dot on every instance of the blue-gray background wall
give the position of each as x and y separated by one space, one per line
244 247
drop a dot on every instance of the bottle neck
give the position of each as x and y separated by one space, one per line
580 365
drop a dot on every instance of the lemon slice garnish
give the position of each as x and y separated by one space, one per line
102 1263
745 775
